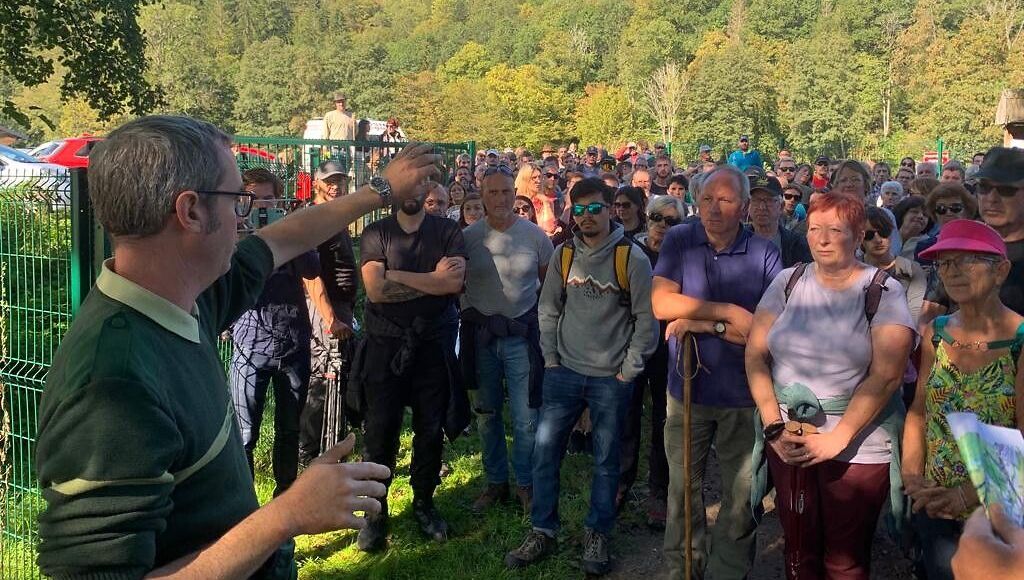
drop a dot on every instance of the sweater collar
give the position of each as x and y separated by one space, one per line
158 309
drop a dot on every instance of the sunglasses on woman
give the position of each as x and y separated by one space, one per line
870 235
942 209
551 175
985 188
791 196
658 218
522 209
592 208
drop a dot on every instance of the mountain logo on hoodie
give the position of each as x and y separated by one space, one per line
592 289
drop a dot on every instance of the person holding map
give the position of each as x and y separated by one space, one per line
970 363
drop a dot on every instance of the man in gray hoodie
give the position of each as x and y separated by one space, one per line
597 329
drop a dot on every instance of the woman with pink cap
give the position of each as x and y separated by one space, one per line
970 362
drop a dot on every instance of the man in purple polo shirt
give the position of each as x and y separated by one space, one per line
708 280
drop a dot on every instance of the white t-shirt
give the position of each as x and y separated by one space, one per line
822 341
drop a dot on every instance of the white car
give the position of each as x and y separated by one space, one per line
49 182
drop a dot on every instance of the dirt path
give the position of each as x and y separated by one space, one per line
639 549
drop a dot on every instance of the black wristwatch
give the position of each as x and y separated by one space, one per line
719 329
383 189
773 431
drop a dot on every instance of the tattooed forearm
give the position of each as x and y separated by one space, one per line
392 291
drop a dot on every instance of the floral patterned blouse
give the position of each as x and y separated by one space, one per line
987 392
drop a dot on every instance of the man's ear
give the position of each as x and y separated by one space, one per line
189 212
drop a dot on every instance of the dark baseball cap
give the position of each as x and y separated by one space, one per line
705 148
591 150
822 159
1003 165
329 168
744 138
766 183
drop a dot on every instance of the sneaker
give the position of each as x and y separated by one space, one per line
657 511
374 537
525 495
534 548
430 521
596 561
495 493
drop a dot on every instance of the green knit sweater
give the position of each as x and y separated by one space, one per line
139 456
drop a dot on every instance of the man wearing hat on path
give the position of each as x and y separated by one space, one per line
627 153
590 168
339 124
765 213
1001 205
745 157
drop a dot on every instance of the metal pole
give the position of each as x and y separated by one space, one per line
687 451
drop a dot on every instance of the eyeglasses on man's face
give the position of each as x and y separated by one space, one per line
870 235
987 187
243 200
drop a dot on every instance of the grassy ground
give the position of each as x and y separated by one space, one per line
478 544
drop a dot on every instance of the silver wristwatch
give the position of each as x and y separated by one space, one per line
383 189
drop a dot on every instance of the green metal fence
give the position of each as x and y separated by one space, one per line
50 253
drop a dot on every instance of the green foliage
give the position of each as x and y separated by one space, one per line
99 43
838 76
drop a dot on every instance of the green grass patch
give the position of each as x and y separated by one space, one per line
477 545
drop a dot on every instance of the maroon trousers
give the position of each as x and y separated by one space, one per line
841 503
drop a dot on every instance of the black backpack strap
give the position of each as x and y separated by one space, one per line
794 278
874 294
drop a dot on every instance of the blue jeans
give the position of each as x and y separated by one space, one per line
566 392
505 362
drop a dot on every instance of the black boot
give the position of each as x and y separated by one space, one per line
374 537
430 521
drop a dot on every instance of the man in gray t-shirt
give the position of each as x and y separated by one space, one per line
507 258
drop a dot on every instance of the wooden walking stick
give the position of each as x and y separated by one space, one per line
688 344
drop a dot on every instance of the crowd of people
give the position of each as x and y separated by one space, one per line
820 302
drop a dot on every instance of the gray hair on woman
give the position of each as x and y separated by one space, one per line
660 202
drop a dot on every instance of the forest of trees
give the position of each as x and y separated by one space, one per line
844 77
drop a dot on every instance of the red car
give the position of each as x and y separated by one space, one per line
70 152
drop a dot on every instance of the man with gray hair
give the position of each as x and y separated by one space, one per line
139 455
927 169
708 280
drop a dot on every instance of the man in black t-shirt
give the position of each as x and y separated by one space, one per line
413 267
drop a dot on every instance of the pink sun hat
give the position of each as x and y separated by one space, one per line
967 236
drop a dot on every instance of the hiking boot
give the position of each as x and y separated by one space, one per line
596 561
374 537
657 511
525 495
430 521
495 493
534 548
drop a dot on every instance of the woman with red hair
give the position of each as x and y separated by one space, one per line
825 359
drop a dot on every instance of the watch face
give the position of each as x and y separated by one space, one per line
719 328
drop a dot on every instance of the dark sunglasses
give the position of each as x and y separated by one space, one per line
622 205
551 175
791 196
498 169
870 235
788 169
941 208
243 200
658 218
985 188
906 164
591 208
522 209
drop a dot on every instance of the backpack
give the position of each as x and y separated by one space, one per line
874 289
622 250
